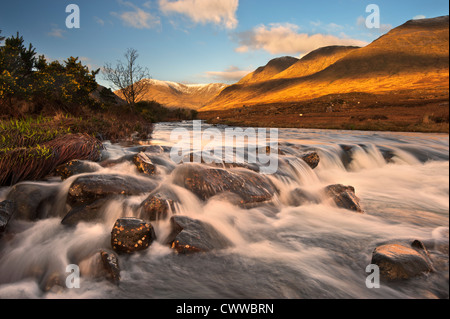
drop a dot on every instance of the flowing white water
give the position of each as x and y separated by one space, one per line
279 251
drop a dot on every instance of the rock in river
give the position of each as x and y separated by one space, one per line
399 261
311 158
191 235
344 197
131 235
144 164
206 182
87 189
32 200
76 167
6 211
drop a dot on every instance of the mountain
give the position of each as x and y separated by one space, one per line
315 61
411 59
177 95
271 69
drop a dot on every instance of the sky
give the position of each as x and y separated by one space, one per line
202 41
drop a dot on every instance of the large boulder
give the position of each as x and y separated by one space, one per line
191 236
6 212
130 235
87 189
344 197
400 261
206 182
32 200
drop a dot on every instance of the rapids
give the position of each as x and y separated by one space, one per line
278 251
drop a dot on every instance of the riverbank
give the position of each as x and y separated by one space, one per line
356 111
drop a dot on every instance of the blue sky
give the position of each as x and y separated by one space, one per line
202 41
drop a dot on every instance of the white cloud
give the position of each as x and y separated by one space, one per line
232 74
419 17
99 21
56 32
219 12
277 38
137 18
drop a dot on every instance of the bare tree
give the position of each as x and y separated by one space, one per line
127 77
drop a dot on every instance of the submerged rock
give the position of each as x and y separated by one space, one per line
87 189
206 182
144 164
191 236
399 261
311 158
130 235
344 197
299 197
6 212
85 213
156 207
76 167
110 264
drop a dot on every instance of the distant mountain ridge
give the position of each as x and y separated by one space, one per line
410 58
178 95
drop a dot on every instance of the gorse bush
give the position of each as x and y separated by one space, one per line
23 76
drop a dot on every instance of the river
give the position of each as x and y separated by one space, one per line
278 250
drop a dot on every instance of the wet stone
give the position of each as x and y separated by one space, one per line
156 207
130 235
32 200
311 158
76 167
195 236
87 189
110 264
206 182
85 213
344 197
6 212
144 164
399 261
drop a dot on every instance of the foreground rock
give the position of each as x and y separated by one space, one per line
206 182
87 189
32 200
6 212
76 167
192 236
130 235
399 261
344 197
